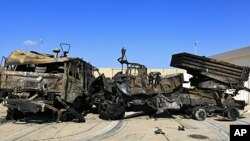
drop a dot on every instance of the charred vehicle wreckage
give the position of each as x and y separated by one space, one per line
33 82
134 89
214 85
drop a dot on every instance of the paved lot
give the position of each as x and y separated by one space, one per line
133 129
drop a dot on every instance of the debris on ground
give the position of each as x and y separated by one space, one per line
159 131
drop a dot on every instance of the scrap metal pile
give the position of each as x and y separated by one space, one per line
33 82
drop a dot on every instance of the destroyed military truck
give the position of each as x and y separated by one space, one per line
214 85
134 89
33 82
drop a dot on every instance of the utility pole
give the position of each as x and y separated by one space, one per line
41 45
195 47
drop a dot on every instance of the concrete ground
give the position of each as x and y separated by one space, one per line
133 129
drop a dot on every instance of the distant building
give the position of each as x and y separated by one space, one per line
239 57
110 72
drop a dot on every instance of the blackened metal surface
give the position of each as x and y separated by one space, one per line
211 68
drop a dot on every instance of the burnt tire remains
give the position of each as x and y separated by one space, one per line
13 114
199 113
231 113
72 115
110 110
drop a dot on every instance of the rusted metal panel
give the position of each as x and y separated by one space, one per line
31 80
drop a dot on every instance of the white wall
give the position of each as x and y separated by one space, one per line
110 72
186 78
244 95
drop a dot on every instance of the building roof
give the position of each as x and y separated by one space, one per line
239 56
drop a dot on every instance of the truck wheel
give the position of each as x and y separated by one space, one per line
109 110
199 113
81 105
13 114
72 115
9 115
231 113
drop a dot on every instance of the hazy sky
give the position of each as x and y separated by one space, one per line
150 30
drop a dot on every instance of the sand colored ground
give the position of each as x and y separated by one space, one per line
140 128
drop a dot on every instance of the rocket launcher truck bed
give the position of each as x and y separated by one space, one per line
202 66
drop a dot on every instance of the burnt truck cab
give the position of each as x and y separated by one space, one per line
33 82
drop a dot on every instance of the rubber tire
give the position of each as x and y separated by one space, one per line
231 113
109 110
199 113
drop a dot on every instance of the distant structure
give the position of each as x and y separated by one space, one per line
239 57
195 47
